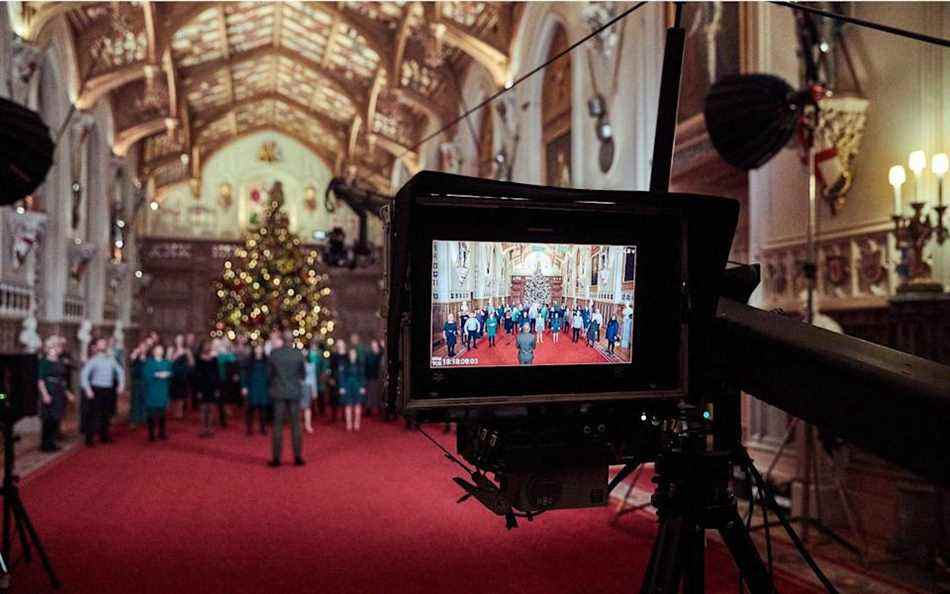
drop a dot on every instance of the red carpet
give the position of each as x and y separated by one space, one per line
505 351
371 512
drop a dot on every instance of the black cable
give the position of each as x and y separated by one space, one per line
447 453
523 78
863 23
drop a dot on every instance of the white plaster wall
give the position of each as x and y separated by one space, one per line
238 165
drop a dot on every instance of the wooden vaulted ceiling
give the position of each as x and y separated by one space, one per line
359 83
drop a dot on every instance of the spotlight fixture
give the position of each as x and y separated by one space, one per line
596 106
604 130
751 117
26 151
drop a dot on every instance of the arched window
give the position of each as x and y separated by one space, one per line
556 114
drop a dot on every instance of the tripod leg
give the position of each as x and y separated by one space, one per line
7 518
746 556
24 519
694 579
622 508
666 561
24 541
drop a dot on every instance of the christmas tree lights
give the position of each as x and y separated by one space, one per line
273 282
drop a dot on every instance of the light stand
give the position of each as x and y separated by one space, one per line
14 512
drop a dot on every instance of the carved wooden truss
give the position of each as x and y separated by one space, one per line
359 83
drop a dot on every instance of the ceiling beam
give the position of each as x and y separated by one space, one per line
341 85
128 137
172 17
409 157
377 36
492 59
399 49
33 18
98 86
336 127
151 30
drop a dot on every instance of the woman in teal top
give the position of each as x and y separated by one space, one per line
139 355
491 328
353 390
255 383
157 374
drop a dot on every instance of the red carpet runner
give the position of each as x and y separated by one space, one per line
371 512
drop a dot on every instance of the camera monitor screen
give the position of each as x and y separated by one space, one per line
501 304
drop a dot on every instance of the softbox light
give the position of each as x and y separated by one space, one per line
26 151
750 118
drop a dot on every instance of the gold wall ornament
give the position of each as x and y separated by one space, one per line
224 195
269 152
841 123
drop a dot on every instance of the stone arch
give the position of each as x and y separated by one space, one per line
533 40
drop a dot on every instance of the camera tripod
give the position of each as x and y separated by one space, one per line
693 496
14 512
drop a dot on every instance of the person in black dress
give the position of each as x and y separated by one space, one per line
182 362
206 380
338 361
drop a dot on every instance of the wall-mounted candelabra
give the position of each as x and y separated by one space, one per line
912 232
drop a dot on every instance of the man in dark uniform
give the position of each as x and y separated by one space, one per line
287 372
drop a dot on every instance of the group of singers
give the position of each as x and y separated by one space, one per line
580 321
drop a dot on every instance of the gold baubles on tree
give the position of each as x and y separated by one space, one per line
272 283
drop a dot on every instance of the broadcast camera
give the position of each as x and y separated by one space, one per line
548 430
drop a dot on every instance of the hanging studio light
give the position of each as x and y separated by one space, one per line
751 117
26 151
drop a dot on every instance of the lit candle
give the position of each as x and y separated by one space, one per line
917 161
897 177
939 165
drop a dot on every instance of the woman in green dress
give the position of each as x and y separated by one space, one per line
256 382
353 390
157 374
53 394
139 356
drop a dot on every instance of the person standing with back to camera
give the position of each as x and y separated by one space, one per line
526 345
287 372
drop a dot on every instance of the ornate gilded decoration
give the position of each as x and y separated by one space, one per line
218 71
269 152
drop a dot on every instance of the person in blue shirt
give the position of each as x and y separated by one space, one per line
157 375
491 328
613 330
256 389
450 332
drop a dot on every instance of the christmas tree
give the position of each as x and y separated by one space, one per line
273 282
537 289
